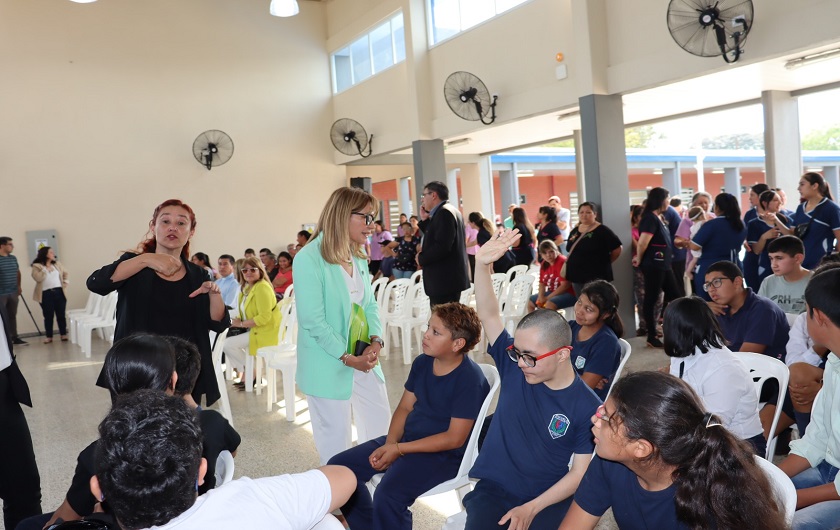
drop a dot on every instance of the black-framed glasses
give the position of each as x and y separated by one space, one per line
530 360
250 270
716 283
369 218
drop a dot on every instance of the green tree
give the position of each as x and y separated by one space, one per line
824 140
735 141
640 137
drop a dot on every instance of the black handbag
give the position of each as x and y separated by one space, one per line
801 230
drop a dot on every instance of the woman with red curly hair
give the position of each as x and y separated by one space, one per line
162 292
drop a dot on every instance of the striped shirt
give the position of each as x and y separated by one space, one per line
8 275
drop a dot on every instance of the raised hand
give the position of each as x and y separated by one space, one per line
496 247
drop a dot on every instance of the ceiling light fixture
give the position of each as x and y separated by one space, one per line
284 8
458 142
805 60
83 1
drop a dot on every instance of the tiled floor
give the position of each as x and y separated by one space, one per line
68 407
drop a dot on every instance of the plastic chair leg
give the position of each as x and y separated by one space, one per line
249 369
271 387
289 393
258 362
405 335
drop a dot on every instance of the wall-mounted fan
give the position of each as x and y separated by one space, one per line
212 148
710 28
467 96
350 138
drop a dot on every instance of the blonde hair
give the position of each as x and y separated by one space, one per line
249 262
334 224
237 270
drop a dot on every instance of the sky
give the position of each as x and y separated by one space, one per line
816 112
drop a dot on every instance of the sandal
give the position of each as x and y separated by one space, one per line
47 341
64 338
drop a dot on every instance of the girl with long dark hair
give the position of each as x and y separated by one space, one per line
762 230
817 219
596 329
524 250
719 239
662 461
654 254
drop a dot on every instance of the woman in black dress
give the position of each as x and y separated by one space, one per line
525 252
592 248
161 292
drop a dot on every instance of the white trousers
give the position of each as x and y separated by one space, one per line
236 348
331 417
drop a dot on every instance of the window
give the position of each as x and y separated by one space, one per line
450 17
373 52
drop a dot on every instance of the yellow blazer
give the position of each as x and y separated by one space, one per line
39 274
261 307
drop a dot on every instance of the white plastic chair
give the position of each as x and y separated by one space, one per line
626 350
461 481
394 302
499 280
282 358
224 401
467 294
75 318
516 301
415 313
417 276
224 468
515 271
87 310
378 290
108 319
782 486
289 292
763 367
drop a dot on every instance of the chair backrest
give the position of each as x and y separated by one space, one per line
762 368
515 271
471 452
499 282
782 486
224 468
519 291
289 292
90 305
288 321
421 309
626 350
466 294
378 290
218 346
417 276
109 307
791 318
396 297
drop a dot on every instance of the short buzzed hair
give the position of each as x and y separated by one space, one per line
554 330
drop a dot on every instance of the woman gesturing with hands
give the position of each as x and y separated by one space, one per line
161 292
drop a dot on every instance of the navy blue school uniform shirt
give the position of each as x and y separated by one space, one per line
659 253
535 430
819 240
458 394
719 241
673 220
755 229
600 354
608 484
761 321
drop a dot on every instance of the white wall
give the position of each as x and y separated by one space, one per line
101 104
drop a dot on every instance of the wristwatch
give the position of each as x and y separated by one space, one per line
377 339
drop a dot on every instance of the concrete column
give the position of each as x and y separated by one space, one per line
832 177
488 199
701 178
604 157
671 180
580 171
452 184
429 164
732 182
782 143
404 195
509 187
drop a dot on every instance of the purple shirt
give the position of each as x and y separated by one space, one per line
376 247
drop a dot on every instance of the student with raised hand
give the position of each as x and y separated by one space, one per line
160 434
699 356
430 428
541 420
663 462
813 461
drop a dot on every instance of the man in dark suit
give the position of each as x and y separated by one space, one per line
443 255
20 484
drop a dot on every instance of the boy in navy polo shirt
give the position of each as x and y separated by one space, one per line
752 323
429 430
542 419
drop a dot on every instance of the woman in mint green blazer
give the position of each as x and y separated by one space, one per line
331 275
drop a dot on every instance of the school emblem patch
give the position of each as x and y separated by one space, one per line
580 361
558 426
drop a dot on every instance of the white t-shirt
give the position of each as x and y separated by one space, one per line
693 231
287 502
52 281
724 384
564 214
355 284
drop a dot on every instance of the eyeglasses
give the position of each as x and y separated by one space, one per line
250 270
601 414
530 360
369 218
716 283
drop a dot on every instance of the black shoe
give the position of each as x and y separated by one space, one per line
20 342
653 342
